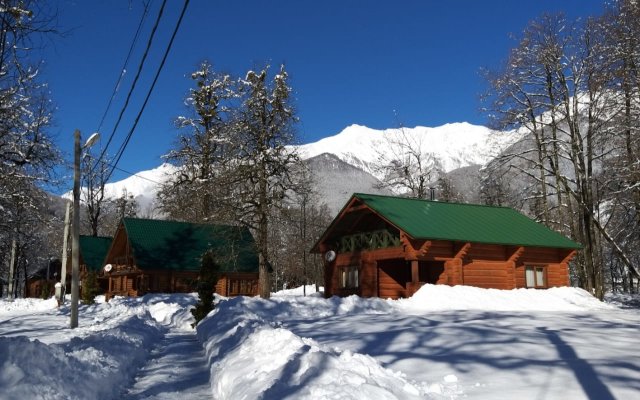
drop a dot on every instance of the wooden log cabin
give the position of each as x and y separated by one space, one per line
383 246
41 283
156 256
93 250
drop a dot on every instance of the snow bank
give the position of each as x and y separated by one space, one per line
90 367
442 297
292 305
304 307
97 360
299 291
172 310
28 304
252 358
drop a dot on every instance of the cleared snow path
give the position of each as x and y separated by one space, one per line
176 369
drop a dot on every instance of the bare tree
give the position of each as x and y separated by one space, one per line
93 181
555 86
405 165
27 153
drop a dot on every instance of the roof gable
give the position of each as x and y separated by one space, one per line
424 219
94 250
160 244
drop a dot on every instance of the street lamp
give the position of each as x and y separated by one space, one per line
75 226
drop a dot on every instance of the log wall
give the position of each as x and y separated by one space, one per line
387 272
485 274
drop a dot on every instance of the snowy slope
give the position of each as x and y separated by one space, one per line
143 186
455 145
337 180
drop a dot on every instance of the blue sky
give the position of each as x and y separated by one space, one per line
374 63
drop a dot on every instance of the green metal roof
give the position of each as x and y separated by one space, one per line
424 219
94 249
158 244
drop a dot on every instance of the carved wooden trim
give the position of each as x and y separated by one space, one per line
462 253
424 248
409 251
570 256
516 255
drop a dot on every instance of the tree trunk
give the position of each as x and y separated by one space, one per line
263 236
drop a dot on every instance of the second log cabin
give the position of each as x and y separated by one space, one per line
384 246
159 256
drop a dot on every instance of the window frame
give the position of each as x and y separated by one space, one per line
535 269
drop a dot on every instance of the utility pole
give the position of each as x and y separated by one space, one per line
75 232
75 226
65 246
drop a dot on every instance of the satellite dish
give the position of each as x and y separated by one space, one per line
330 255
108 268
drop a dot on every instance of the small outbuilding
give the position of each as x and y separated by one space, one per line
158 256
41 283
384 246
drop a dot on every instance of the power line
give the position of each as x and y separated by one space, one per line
133 85
134 174
123 70
153 84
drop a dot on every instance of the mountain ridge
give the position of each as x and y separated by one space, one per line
456 145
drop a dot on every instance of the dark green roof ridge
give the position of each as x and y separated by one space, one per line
179 245
436 220
94 250
359 194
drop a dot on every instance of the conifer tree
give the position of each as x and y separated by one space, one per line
206 287
90 288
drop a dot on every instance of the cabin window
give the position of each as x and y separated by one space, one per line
535 276
349 277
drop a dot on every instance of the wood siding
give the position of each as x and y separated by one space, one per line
386 272
486 274
238 284
168 281
393 276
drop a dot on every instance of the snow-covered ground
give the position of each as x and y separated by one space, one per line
444 343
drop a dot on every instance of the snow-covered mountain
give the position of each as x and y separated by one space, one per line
343 163
143 187
144 183
455 145
336 180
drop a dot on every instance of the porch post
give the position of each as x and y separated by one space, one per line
415 276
